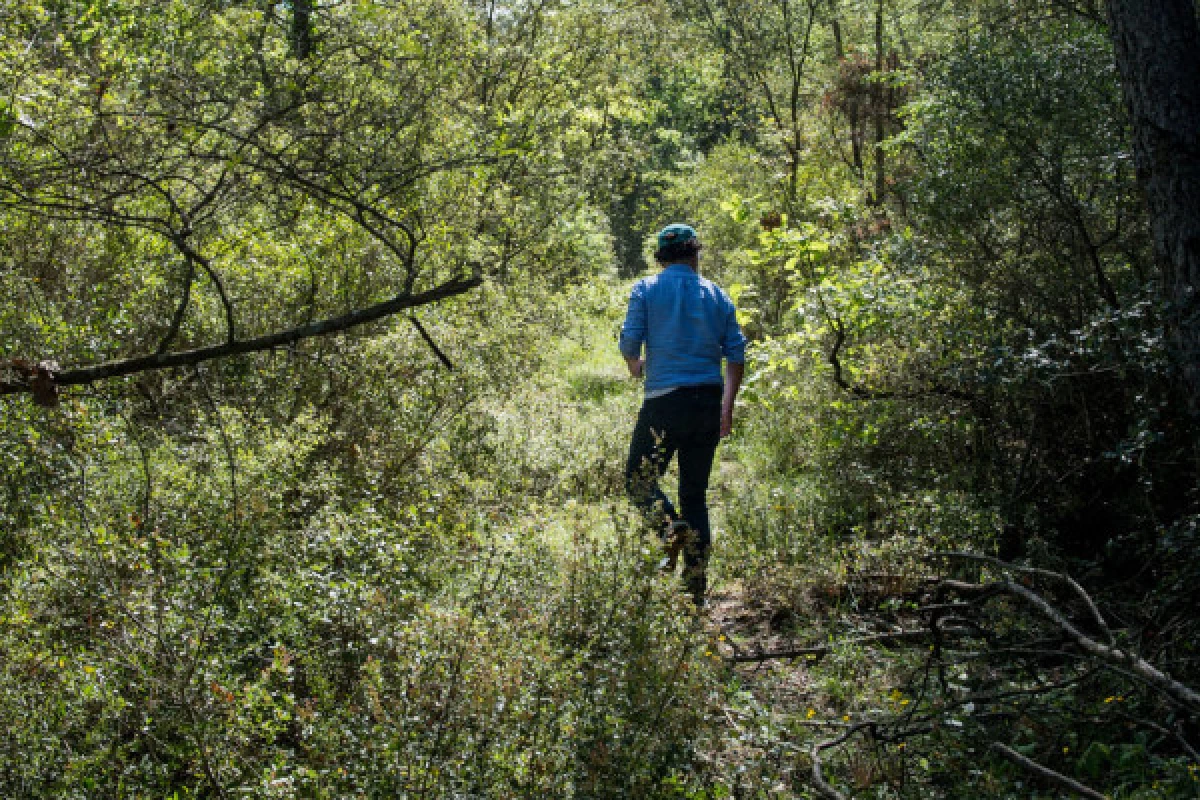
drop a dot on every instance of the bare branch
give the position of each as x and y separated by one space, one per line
1175 733
1047 774
818 779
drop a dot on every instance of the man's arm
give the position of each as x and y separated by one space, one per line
733 381
633 332
733 347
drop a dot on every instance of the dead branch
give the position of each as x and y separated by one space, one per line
24 382
1033 691
1175 733
1110 654
1045 773
818 779
1045 573
938 608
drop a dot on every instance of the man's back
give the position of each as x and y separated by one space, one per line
687 324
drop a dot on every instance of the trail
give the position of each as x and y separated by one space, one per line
565 433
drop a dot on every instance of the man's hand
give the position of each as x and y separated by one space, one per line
635 366
733 381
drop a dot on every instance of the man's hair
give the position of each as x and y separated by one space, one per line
683 251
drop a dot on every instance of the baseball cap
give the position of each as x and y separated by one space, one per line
676 234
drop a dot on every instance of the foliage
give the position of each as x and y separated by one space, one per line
395 561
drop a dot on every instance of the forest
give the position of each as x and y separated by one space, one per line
313 422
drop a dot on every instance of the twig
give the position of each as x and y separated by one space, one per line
1033 691
1174 733
939 607
1057 778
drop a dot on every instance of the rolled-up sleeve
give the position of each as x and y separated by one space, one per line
633 331
733 341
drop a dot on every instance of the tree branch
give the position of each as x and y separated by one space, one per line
818 779
113 369
839 340
181 309
1045 573
437 351
195 258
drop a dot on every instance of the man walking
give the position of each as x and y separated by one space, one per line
687 325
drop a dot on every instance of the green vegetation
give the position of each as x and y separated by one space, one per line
313 425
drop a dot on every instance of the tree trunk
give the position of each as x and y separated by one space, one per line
877 95
839 50
302 33
1157 46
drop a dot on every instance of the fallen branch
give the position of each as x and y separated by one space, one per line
1047 774
1045 573
26 382
1135 664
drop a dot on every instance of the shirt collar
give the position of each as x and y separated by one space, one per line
677 268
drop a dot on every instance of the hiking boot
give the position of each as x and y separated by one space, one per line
676 536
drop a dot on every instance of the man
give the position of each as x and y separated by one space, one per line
687 325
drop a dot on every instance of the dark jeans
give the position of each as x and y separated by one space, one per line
688 422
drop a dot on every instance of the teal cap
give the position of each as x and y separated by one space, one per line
675 234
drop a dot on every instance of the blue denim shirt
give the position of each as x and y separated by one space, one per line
687 325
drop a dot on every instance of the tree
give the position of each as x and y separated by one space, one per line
769 48
234 161
1158 52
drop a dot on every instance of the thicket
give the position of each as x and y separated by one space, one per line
365 535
